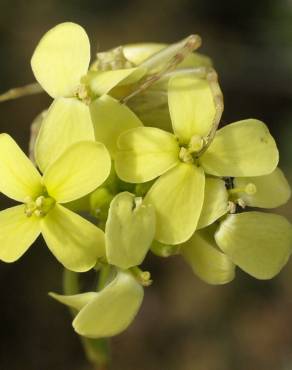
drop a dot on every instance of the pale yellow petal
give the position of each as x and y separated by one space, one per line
192 107
74 241
102 82
76 301
145 153
19 178
18 232
215 202
271 190
177 197
111 118
244 148
78 171
206 260
61 58
129 230
66 122
112 310
259 243
137 53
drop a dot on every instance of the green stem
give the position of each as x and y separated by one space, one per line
96 350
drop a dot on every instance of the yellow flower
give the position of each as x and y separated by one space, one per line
60 64
108 312
243 148
75 242
258 243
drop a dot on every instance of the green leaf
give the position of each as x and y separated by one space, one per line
206 260
129 230
177 197
112 310
61 58
145 153
244 148
272 190
75 242
66 122
259 243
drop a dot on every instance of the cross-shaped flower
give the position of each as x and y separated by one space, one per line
243 148
75 242
60 64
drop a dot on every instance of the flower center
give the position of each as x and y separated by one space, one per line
189 154
39 207
234 194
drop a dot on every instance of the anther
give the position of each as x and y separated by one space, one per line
185 155
196 144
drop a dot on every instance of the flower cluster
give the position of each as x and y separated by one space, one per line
132 143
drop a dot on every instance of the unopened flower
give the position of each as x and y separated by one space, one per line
75 242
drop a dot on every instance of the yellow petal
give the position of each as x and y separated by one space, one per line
215 202
259 243
206 260
74 241
112 310
137 53
129 230
145 153
78 171
244 148
192 107
171 55
110 119
66 122
61 59
76 301
177 197
272 190
19 179
18 232
102 82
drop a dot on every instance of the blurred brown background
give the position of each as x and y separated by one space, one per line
184 324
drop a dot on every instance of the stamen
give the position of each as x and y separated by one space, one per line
196 144
241 203
185 155
231 207
39 207
138 201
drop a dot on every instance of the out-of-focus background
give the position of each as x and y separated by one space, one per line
184 324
